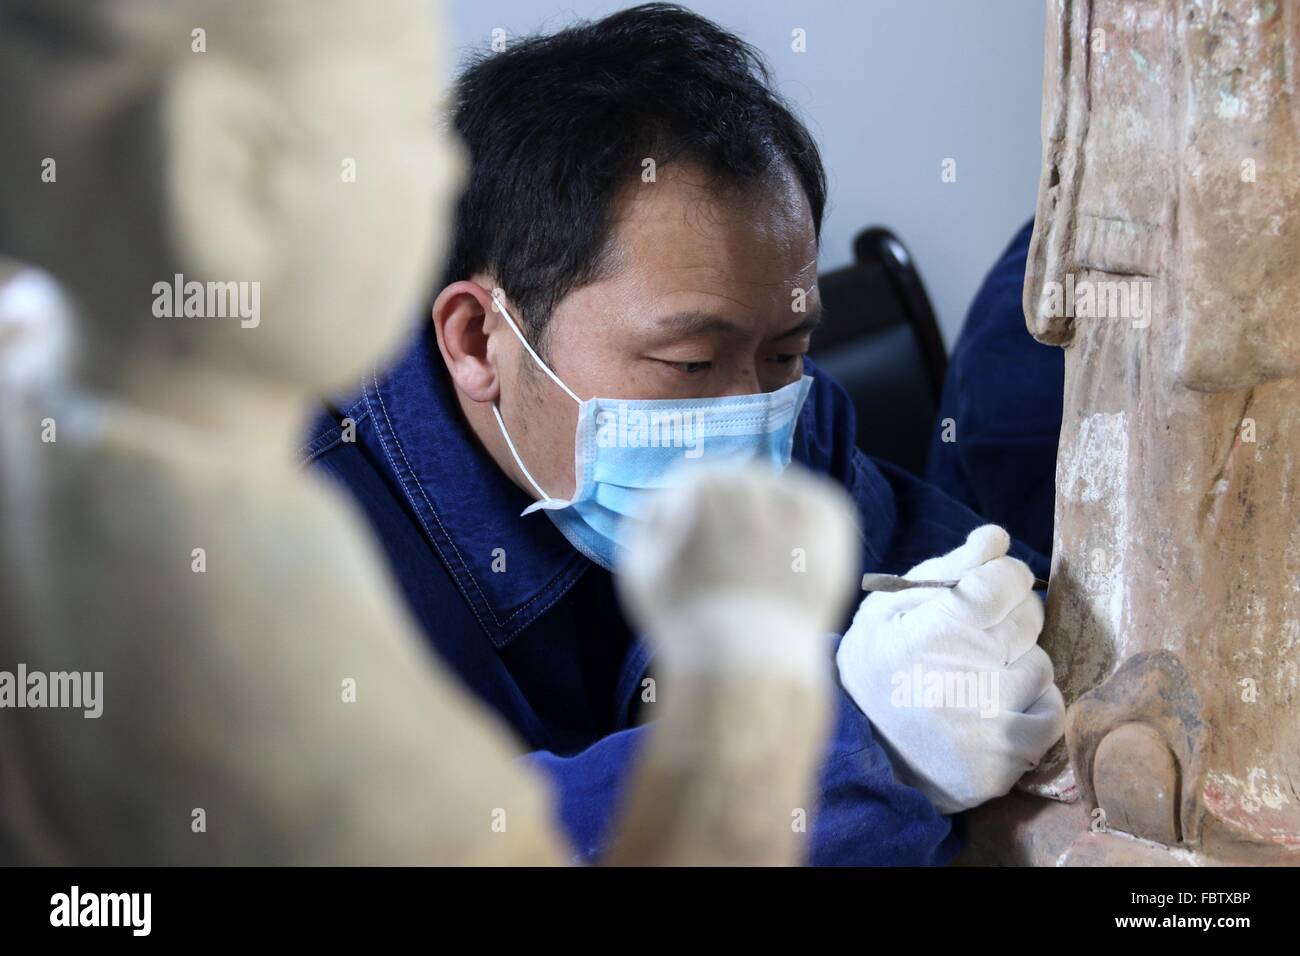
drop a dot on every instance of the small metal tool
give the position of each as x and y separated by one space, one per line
893 582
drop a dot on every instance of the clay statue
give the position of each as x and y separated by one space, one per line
1166 261
242 202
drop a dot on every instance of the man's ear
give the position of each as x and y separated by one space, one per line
224 161
465 319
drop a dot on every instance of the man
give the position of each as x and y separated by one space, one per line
641 223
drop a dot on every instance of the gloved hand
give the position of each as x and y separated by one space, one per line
953 680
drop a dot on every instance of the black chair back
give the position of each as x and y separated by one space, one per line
880 340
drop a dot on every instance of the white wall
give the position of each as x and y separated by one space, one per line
889 88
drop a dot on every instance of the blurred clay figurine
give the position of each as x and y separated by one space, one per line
241 201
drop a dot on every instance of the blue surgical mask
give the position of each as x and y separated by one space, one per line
626 450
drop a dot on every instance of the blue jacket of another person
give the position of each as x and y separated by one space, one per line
534 629
1003 393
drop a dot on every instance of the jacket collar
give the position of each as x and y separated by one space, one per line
512 569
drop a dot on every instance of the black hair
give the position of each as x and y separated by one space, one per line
555 125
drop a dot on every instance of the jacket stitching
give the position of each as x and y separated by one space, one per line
389 455
313 448
500 622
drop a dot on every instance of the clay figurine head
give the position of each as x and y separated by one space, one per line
284 160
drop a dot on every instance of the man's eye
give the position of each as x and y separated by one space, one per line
786 359
690 368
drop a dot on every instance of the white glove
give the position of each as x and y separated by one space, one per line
953 680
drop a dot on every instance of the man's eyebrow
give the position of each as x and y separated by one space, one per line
686 324
807 325
694 322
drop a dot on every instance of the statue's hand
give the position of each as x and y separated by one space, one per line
740 563
953 680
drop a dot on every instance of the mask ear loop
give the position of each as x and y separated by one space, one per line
536 358
497 412
518 461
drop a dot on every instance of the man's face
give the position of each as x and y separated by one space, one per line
714 294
